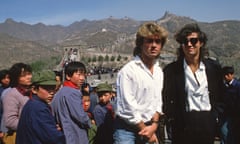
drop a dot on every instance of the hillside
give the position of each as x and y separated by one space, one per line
17 50
26 43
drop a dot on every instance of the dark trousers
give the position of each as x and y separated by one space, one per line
199 127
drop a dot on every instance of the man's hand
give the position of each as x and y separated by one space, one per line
153 139
148 131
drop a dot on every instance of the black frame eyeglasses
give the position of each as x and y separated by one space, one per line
193 41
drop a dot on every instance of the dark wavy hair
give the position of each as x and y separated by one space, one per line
186 31
16 71
146 30
227 70
73 67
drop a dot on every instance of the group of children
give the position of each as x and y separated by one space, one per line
62 115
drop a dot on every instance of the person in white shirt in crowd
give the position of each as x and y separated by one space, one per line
139 86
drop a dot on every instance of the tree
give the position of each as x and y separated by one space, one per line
84 59
106 58
38 66
94 59
100 58
89 59
119 58
112 58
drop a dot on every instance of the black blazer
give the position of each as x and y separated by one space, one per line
175 96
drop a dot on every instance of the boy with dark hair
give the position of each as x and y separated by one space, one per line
227 71
37 124
230 129
58 79
86 102
67 105
104 115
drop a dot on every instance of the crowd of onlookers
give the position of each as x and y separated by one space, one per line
44 107
101 70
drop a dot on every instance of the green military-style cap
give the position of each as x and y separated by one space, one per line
46 77
104 87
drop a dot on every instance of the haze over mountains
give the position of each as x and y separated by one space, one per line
22 42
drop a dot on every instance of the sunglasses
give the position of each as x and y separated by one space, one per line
193 41
150 40
49 88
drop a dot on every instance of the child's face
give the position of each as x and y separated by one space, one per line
46 93
6 80
77 78
229 77
105 98
86 102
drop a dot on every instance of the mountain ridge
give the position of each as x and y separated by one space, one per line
111 35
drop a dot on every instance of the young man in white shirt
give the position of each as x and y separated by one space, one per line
139 86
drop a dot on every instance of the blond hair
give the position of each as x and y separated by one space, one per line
146 30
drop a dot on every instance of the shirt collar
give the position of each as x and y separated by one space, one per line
70 84
23 90
201 66
138 60
231 82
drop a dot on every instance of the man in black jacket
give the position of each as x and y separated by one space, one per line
192 90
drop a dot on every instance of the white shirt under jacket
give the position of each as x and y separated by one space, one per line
139 92
197 88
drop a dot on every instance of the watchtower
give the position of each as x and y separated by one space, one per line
71 53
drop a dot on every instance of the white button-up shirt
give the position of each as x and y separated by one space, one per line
197 89
139 92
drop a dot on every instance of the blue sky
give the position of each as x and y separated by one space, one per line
65 12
